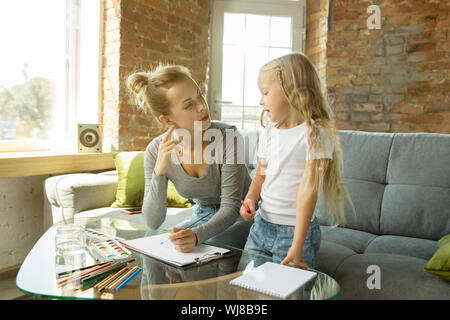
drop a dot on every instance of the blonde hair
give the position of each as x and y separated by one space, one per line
307 99
149 88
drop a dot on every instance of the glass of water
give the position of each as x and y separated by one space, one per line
70 245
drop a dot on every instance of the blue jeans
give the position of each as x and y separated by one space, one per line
234 236
275 240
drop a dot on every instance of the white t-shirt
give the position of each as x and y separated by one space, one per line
286 152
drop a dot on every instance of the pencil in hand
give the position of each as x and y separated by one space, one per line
246 206
189 226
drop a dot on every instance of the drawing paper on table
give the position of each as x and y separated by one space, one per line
156 246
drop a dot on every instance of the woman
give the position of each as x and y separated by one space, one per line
217 187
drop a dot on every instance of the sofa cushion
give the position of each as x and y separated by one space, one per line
365 158
405 246
345 254
367 197
365 155
420 159
363 242
130 189
78 192
330 256
418 190
355 240
131 185
400 276
416 211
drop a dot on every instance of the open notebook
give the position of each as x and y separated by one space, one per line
274 279
159 247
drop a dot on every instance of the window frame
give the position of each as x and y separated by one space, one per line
75 9
241 6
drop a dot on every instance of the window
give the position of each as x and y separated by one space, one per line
246 35
49 80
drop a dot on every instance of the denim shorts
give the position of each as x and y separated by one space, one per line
275 240
204 213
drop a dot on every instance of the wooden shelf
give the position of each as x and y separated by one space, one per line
31 164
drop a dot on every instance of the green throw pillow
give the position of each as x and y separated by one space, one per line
174 199
439 264
131 184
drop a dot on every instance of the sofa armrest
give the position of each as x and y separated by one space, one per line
72 193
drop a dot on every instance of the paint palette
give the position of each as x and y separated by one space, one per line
110 250
97 235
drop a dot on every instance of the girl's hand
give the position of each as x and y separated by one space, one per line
244 213
184 240
294 257
166 148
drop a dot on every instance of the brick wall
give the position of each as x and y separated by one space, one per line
138 34
316 34
397 78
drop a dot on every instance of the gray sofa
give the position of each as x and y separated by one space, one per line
399 184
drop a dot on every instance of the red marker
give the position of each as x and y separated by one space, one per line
246 207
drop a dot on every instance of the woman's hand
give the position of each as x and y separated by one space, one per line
184 240
166 148
248 216
294 257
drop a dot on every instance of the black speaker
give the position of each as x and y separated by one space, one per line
88 138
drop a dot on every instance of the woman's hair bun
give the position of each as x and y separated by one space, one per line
137 81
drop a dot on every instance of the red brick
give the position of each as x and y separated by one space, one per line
432 56
428 118
399 20
367 107
375 127
157 4
408 108
443 46
444 24
337 80
140 143
377 116
421 47
440 128
347 15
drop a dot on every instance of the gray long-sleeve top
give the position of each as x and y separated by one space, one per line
223 183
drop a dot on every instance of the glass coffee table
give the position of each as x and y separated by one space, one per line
157 280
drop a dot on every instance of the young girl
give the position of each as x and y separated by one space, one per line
299 155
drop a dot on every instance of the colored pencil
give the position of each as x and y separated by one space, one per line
80 274
96 273
189 226
246 206
90 283
128 279
71 272
100 286
115 283
127 276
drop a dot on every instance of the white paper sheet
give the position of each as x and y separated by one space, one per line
159 247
